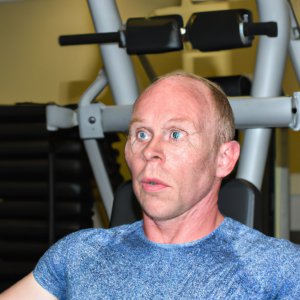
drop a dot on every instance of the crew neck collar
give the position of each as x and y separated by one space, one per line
141 233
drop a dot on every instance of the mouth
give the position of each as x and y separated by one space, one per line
152 184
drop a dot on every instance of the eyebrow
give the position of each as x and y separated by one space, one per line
179 120
135 120
175 120
182 120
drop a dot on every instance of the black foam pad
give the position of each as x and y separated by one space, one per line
126 208
241 201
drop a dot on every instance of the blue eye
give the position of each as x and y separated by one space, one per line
176 135
142 135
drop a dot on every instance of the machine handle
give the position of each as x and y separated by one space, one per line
268 28
93 38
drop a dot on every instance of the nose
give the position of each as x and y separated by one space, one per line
154 151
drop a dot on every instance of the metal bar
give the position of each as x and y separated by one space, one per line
267 82
94 90
294 50
117 63
60 117
248 113
262 112
116 118
87 39
121 77
147 67
294 47
100 174
92 148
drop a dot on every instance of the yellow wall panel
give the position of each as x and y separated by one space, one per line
34 68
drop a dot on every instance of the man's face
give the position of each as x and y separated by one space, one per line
170 147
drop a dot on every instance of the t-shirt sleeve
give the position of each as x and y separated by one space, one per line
50 270
290 289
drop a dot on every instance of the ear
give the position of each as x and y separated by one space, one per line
227 157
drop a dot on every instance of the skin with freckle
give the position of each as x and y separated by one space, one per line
186 165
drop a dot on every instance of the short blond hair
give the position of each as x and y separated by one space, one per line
224 115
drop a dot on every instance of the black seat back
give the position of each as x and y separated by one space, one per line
241 201
126 208
238 199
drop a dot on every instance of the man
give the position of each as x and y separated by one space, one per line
178 150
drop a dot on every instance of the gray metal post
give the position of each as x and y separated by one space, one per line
267 82
100 174
117 64
121 78
294 48
92 148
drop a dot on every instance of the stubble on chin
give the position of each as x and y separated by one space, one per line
159 208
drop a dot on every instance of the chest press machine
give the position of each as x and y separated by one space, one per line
206 31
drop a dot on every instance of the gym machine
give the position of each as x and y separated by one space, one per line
205 31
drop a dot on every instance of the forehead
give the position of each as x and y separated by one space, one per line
183 98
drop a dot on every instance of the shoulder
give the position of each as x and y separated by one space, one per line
98 236
71 253
255 247
260 264
248 239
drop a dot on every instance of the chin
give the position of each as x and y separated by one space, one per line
157 206
159 213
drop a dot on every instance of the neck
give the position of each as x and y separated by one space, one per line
196 223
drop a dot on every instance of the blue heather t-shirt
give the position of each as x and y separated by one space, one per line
232 262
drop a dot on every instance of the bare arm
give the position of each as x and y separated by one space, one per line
27 289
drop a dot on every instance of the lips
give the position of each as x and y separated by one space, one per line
152 184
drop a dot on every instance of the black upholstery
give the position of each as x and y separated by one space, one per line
241 201
126 208
238 199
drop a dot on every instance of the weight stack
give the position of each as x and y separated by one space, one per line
25 188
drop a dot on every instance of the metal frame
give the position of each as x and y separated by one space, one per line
267 82
270 111
273 112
